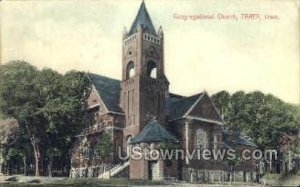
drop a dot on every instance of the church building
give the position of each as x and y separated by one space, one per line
139 110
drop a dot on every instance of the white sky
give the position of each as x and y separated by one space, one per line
209 55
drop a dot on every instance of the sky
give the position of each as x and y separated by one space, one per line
211 55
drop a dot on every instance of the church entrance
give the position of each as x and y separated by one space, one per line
152 170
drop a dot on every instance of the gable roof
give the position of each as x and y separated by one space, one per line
142 18
109 91
178 106
153 132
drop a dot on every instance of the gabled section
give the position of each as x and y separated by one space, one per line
144 20
178 106
95 102
108 90
205 110
198 107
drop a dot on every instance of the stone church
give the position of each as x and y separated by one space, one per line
140 110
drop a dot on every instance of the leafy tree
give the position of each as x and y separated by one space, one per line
222 102
234 119
8 130
103 148
263 118
22 101
49 107
52 153
14 144
64 110
170 147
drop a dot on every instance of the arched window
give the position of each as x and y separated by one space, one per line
201 139
130 71
152 69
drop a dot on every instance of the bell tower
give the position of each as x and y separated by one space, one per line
144 85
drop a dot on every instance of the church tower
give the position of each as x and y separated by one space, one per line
144 86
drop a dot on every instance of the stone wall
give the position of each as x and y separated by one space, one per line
111 124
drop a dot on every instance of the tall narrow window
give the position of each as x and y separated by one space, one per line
130 70
153 73
132 108
128 108
215 142
128 145
201 139
152 69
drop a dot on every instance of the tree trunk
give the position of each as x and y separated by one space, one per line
1 160
50 167
103 168
1 168
7 167
36 151
36 158
25 165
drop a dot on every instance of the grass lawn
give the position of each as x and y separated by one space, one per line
90 182
289 180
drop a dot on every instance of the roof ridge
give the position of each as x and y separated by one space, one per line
197 94
176 95
103 76
189 97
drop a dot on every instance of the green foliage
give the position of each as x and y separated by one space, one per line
103 147
64 109
222 102
49 107
233 162
263 118
170 147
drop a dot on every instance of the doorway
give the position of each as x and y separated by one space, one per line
152 170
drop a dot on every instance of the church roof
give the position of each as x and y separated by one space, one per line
142 18
153 132
177 105
109 91
232 139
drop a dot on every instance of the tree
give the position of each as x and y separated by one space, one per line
22 100
49 107
222 102
103 148
64 110
263 118
8 130
235 120
170 147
